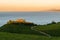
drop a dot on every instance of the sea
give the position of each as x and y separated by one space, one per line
35 17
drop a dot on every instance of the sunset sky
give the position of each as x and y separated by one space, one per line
29 5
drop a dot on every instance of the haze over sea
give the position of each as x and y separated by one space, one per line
35 17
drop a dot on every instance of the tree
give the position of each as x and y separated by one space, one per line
10 21
53 22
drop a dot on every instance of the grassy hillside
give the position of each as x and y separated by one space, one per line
52 29
23 28
14 36
23 31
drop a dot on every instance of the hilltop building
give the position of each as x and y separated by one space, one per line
20 21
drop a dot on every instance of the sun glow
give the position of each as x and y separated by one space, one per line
29 5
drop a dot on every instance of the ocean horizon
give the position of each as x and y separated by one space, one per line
35 17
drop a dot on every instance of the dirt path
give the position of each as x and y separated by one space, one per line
41 32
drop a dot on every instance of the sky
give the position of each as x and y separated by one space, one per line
29 5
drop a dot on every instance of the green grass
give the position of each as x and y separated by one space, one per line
14 36
24 32
53 29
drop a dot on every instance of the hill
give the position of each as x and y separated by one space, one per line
20 26
14 36
27 30
24 28
51 29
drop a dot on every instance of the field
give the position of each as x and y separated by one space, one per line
14 36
